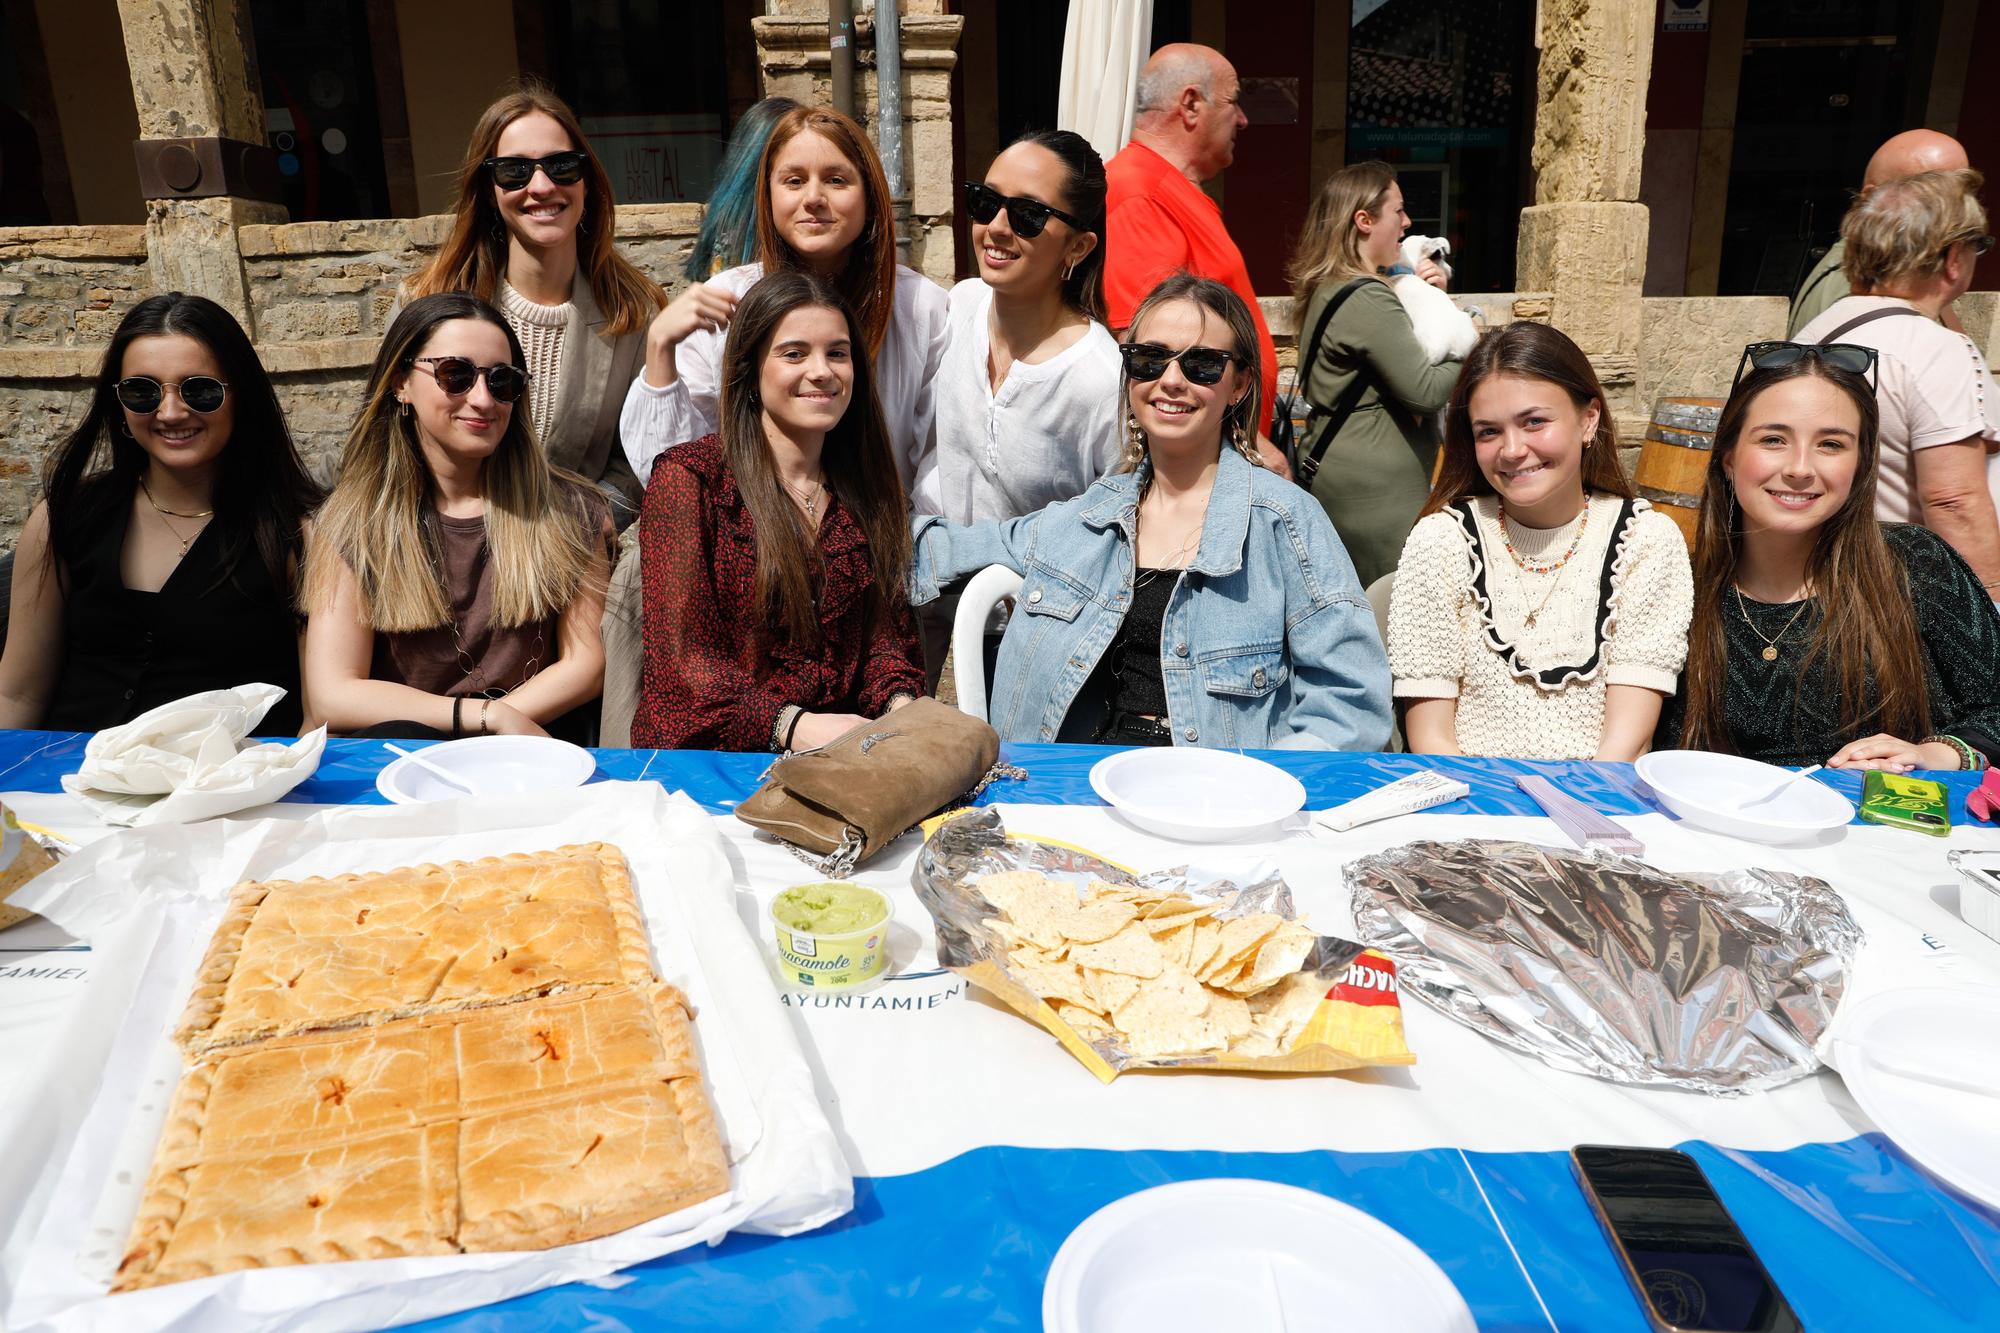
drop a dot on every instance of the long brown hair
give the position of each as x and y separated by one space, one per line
1863 589
867 284
374 522
1330 246
1530 352
860 467
474 257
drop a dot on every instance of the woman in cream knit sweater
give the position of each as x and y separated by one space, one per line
1540 611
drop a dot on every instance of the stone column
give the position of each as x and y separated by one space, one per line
1584 238
796 61
193 66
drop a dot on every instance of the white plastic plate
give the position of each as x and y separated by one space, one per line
1953 1132
496 765
1203 1255
1709 791
1194 795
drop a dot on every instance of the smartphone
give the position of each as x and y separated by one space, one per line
1899 802
1692 1268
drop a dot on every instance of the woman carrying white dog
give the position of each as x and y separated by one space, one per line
1368 449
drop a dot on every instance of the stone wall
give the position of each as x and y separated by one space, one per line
69 286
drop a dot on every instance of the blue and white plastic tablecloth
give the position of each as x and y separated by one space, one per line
978 1144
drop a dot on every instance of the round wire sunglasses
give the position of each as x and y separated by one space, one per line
456 375
143 394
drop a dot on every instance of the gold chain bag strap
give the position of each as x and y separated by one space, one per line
848 799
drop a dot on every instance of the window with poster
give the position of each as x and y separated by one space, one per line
1444 92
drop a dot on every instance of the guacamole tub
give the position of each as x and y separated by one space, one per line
830 935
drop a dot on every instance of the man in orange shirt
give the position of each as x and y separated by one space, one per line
1157 220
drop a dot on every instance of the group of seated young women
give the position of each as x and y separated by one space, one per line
821 446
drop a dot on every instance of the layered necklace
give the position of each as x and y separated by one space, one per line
167 515
1524 567
808 499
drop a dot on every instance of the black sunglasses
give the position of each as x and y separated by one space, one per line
1980 244
1026 216
1146 362
1850 357
456 376
514 173
143 394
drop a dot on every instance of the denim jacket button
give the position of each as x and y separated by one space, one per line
1046 733
1180 650
1257 678
1191 734
1035 596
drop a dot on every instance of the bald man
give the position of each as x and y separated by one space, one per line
1899 158
1157 220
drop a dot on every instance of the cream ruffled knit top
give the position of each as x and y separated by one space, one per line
540 329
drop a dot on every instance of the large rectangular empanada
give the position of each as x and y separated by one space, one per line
317 954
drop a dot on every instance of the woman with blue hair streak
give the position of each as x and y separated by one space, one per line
729 224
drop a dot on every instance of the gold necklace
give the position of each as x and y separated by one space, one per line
185 542
808 501
1770 653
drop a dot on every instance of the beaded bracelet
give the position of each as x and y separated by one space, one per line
1969 759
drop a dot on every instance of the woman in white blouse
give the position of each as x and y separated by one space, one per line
1540 611
822 204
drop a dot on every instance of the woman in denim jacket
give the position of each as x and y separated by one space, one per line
1190 597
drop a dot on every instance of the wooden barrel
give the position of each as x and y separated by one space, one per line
1674 463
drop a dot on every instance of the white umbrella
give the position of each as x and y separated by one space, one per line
1104 48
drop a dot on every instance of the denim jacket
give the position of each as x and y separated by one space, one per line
1267 642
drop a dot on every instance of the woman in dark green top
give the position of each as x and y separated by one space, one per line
1820 635
1375 473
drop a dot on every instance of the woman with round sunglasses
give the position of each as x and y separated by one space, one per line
534 233
455 577
1911 247
163 558
1369 444
1820 635
1027 392
1540 611
775 551
1191 597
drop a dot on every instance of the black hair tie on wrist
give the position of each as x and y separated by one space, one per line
457 701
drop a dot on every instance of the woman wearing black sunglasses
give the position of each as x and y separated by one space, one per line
162 559
533 234
1821 635
455 579
1027 392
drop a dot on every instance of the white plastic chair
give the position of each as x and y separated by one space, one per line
989 587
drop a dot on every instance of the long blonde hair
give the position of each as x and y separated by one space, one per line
474 257
1330 246
376 521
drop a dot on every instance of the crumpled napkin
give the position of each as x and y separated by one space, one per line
186 761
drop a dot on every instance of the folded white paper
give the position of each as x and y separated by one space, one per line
186 760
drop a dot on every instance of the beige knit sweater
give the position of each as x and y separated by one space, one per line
540 329
1616 613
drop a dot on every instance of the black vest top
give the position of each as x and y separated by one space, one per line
125 651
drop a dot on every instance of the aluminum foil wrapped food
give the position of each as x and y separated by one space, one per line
1604 965
1171 970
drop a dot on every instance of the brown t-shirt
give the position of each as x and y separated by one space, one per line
485 658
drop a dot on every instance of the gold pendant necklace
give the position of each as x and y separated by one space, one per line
185 542
808 501
1770 652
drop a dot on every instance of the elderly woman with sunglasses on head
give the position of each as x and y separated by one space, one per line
455 579
533 234
163 558
1192 597
1027 392
1911 246
1821 635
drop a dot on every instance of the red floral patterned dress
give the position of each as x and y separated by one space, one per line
713 677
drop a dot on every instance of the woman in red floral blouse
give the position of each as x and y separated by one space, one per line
774 553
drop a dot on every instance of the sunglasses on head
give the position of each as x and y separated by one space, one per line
1026 216
143 394
456 376
1980 244
514 173
1146 362
1850 357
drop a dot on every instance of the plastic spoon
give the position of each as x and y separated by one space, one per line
438 771
1790 778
